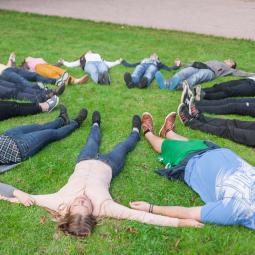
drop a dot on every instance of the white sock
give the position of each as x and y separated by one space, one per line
95 124
135 129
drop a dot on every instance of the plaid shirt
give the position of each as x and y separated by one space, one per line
9 151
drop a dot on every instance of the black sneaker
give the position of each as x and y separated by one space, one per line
128 80
193 111
96 118
183 113
63 114
105 79
143 83
60 90
81 116
136 122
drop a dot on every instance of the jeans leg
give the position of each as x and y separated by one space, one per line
12 109
116 158
201 76
35 141
21 130
138 73
150 73
91 148
92 69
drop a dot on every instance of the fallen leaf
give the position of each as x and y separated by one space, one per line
42 220
132 230
177 242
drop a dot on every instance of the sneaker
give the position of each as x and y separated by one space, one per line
147 123
60 90
183 113
198 90
105 79
128 80
143 83
193 111
63 114
52 102
41 85
168 124
96 118
81 116
185 98
136 122
63 79
160 80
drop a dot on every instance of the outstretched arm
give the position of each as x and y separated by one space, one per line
69 64
242 73
114 63
115 210
126 64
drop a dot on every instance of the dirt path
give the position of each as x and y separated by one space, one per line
229 18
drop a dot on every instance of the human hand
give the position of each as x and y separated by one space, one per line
177 62
23 198
140 205
12 56
120 60
61 61
190 223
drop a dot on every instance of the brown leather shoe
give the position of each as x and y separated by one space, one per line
147 123
168 124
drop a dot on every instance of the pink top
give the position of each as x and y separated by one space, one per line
93 177
32 62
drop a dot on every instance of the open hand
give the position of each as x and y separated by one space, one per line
140 205
177 62
23 198
190 223
61 61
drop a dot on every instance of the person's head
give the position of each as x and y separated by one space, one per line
231 63
154 56
24 64
78 220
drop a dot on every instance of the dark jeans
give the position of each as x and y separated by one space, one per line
24 77
236 88
10 90
32 138
116 158
242 106
238 131
13 109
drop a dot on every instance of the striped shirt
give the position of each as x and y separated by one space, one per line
9 151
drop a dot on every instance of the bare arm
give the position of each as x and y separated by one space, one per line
115 210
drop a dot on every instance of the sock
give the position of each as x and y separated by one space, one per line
135 130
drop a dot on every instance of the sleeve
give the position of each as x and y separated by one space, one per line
117 211
220 212
242 73
6 190
112 64
168 68
72 64
126 64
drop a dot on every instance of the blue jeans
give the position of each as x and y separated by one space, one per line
95 69
24 77
144 70
32 138
192 75
116 158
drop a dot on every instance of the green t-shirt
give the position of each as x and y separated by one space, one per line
173 152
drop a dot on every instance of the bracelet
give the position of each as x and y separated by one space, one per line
151 208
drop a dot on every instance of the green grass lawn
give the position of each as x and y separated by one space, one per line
30 230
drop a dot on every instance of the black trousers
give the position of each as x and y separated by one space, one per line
13 109
236 88
242 106
242 132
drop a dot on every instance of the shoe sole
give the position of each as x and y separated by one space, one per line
165 121
55 105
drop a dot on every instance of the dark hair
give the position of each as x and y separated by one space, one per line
234 64
24 65
77 225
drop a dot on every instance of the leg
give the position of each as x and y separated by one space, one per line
92 70
90 150
21 130
201 76
12 109
155 141
116 158
104 77
150 73
138 73
35 141
33 76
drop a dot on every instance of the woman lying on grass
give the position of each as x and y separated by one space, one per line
86 195
224 181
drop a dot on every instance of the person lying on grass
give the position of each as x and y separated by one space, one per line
145 70
19 143
40 66
93 64
86 195
223 180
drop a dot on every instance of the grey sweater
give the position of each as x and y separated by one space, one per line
6 190
221 69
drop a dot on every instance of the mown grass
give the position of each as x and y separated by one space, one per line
30 230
